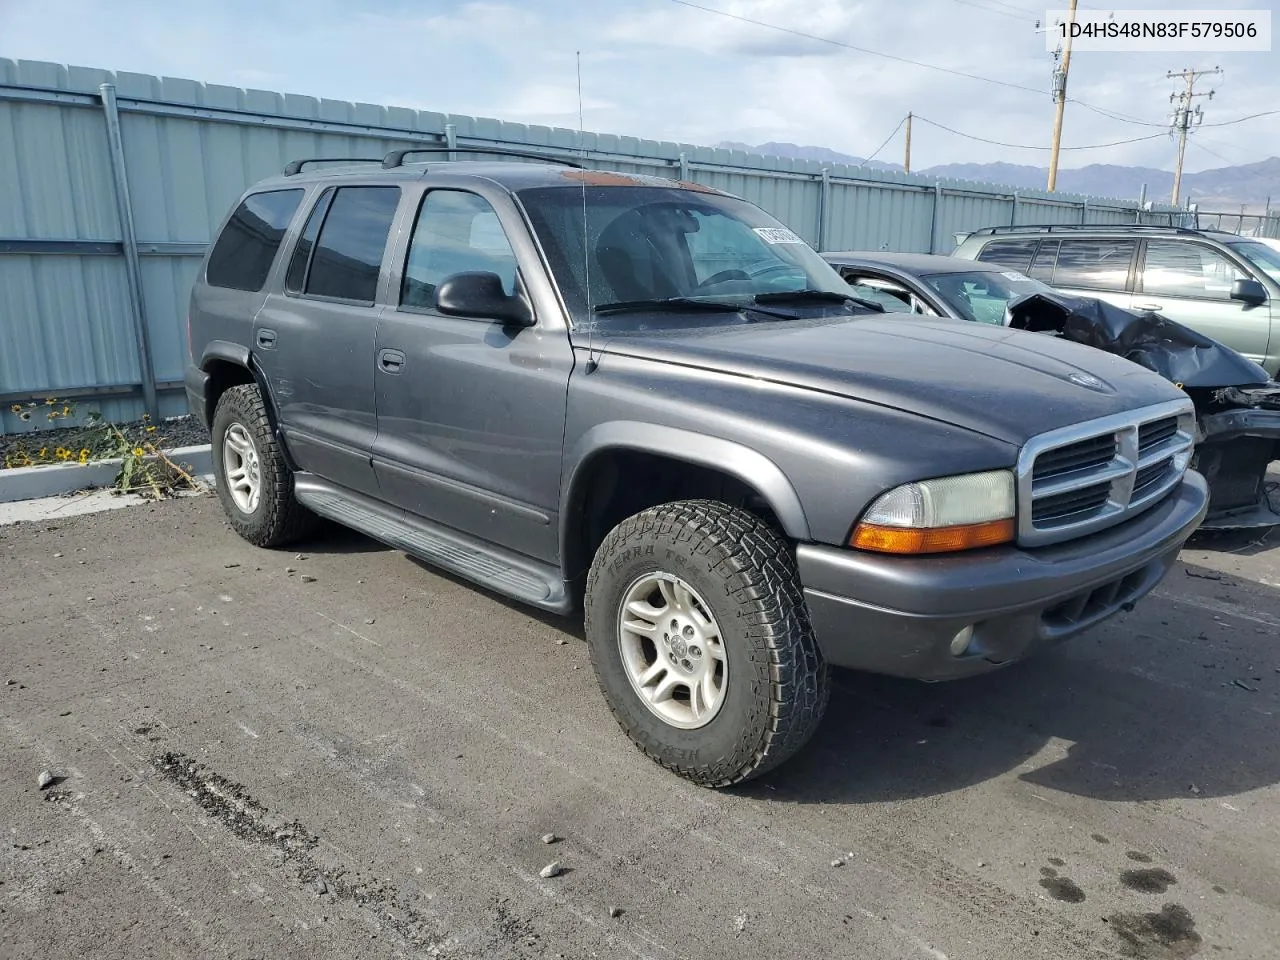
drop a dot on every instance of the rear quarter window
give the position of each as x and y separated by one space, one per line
243 253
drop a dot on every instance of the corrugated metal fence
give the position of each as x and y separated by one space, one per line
111 184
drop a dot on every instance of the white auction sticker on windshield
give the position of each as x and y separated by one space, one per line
777 235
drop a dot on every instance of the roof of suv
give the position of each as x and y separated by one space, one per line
1101 228
510 174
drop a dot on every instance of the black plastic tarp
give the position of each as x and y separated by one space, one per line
1168 348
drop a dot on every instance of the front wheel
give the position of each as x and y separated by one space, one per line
700 638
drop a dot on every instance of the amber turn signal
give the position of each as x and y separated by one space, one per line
969 536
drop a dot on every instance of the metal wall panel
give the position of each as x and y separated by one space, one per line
191 148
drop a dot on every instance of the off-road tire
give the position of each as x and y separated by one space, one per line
745 571
279 518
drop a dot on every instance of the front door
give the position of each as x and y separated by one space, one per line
1190 282
470 412
315 341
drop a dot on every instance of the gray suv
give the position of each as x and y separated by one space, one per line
651 401
1223 285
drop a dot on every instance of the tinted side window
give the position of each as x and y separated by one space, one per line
1101 264
1015 254
456 232
348 253
242 256
1045 259
301 259
1187 270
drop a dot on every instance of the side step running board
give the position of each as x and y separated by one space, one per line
502 571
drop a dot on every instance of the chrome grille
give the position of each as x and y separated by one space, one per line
1085 478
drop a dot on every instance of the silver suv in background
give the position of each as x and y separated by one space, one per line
1223 285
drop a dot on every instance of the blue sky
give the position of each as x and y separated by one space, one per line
658 69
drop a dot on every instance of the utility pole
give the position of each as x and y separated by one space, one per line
906 160
1185 112
1060 99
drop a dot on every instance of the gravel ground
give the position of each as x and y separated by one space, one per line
176 432
334 751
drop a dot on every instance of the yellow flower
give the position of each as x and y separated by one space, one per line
146 418
62 453
84 453
138 452
151 429
50 401
16 408
66 410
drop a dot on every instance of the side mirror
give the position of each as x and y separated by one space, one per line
1248 291
481 295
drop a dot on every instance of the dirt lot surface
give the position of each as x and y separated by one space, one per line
343 754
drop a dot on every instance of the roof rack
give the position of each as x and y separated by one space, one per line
1088 228
294 167
396 157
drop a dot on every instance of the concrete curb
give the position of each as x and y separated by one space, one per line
55 479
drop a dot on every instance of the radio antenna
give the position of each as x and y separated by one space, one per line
586 245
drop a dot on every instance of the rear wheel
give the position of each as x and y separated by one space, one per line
700 639
251 476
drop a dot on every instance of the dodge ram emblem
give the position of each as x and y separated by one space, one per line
1086 380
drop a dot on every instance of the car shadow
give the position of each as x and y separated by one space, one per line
1120 713
1128 714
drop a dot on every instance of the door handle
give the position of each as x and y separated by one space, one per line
390 361
267 339
1152 307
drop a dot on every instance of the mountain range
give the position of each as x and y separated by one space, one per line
1222 189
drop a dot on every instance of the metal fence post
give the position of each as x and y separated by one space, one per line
684 167
1013 214
937 216
824 199
1084 210
451 139
129 241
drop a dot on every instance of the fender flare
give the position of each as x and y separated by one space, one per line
726 456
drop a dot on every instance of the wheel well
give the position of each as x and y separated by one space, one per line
223 375
621 483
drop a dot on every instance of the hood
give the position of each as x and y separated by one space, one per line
1007 384
1168 348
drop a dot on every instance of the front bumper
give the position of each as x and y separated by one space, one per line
1234 451
897 615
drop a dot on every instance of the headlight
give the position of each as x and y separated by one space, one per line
939 516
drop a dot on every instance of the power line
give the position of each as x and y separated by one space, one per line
1102 111
1252 116
1027 146
1201 146
886 140
857 49
1003 13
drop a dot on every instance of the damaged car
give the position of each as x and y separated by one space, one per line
1237 404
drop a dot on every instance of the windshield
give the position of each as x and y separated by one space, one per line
983 295
645 244
1265 258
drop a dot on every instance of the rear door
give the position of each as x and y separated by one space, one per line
314 338
1100 267
1190 282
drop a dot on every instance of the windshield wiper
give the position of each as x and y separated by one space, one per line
816 296
684 305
